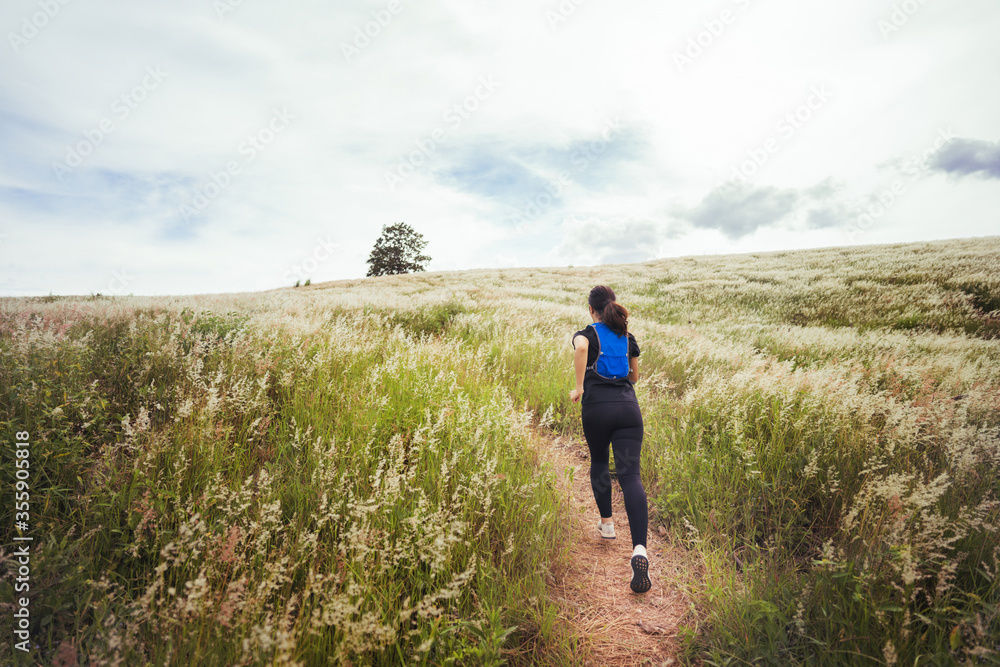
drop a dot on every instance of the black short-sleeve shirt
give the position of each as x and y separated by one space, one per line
597 389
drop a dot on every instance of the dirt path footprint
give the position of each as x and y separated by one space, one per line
619 627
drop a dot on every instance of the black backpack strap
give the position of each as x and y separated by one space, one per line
593 366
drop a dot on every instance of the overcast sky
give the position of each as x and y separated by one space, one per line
238 145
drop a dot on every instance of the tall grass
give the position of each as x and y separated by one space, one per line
344 471
220 490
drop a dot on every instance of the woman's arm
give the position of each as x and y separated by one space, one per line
633 362
581 345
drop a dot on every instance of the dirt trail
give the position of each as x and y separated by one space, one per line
620 627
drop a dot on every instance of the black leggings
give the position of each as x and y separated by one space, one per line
618 424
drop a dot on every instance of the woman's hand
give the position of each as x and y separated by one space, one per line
575 395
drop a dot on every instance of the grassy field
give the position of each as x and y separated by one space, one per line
344 473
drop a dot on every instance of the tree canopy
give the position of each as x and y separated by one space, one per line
397 250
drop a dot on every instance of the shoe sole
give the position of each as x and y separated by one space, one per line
640 574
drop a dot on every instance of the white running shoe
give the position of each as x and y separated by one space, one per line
607 530
640 570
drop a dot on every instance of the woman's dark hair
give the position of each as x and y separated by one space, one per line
602 299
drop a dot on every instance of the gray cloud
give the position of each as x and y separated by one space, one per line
965 157
617 241
599 161
738 210
520 167
829 210
489 172
824 217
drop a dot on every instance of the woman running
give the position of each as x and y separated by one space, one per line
606 363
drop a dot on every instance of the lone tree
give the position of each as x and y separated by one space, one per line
397 251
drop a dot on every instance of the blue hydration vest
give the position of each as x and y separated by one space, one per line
612 353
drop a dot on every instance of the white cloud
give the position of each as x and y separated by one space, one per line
684 132
614 241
